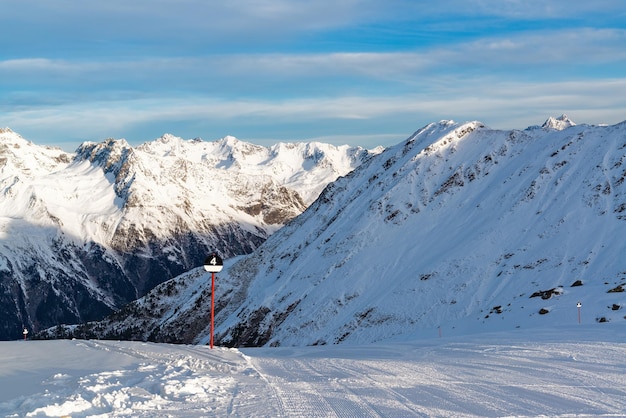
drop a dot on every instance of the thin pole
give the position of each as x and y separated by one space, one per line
212 305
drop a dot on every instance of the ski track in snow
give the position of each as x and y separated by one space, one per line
457 380
493 375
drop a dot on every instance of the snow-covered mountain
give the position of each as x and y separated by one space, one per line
560 123
458 228
82 234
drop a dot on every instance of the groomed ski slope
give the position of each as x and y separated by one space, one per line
565 372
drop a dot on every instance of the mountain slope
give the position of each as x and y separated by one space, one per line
457 224
82 234
460 227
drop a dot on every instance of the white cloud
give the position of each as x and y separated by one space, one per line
205 21
518 53
538 9
500 105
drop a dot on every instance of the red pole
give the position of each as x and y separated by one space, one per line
212 304
214 264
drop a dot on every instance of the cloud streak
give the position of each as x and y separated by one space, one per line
523 103
598 47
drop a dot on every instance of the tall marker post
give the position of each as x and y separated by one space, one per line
213 264
579 305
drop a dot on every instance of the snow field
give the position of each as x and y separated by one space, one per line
572 371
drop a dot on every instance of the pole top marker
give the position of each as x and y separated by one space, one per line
213 263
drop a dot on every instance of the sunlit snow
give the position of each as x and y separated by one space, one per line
568 371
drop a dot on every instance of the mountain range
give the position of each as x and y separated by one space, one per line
84 233
458 229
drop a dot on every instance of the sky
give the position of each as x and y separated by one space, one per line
358 72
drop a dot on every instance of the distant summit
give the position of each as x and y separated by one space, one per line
558 124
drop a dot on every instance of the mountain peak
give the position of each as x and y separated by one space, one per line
560 123
7 135
106 153
28 158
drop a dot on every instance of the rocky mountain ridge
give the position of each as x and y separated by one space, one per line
82 234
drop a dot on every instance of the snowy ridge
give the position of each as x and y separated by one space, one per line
560 123
84 233
460 228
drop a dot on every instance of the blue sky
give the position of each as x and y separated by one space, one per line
359 72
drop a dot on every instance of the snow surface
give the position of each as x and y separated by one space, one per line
567 371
